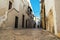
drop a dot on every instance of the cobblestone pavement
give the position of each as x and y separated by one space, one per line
26 34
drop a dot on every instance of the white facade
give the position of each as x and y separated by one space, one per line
19 8
3 3
49 4
16 4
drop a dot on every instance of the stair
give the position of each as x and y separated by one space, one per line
3 18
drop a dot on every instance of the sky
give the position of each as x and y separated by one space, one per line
36 7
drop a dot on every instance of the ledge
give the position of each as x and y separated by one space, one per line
13 9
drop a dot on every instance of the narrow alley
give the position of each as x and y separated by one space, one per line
29 20
27 34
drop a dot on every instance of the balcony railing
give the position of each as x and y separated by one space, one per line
29 10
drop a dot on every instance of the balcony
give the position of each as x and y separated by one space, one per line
29 10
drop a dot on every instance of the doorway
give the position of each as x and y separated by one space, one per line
26 23
16 22
23 17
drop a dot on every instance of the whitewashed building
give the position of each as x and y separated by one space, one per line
15 14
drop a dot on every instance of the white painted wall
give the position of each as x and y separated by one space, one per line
16 4
3 3
48 5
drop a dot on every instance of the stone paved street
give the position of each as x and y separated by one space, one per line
26 34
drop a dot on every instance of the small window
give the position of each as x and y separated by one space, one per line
10 5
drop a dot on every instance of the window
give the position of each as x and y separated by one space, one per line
10 5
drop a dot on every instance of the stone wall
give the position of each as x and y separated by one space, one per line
57 8
50 4
18 9
50 21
